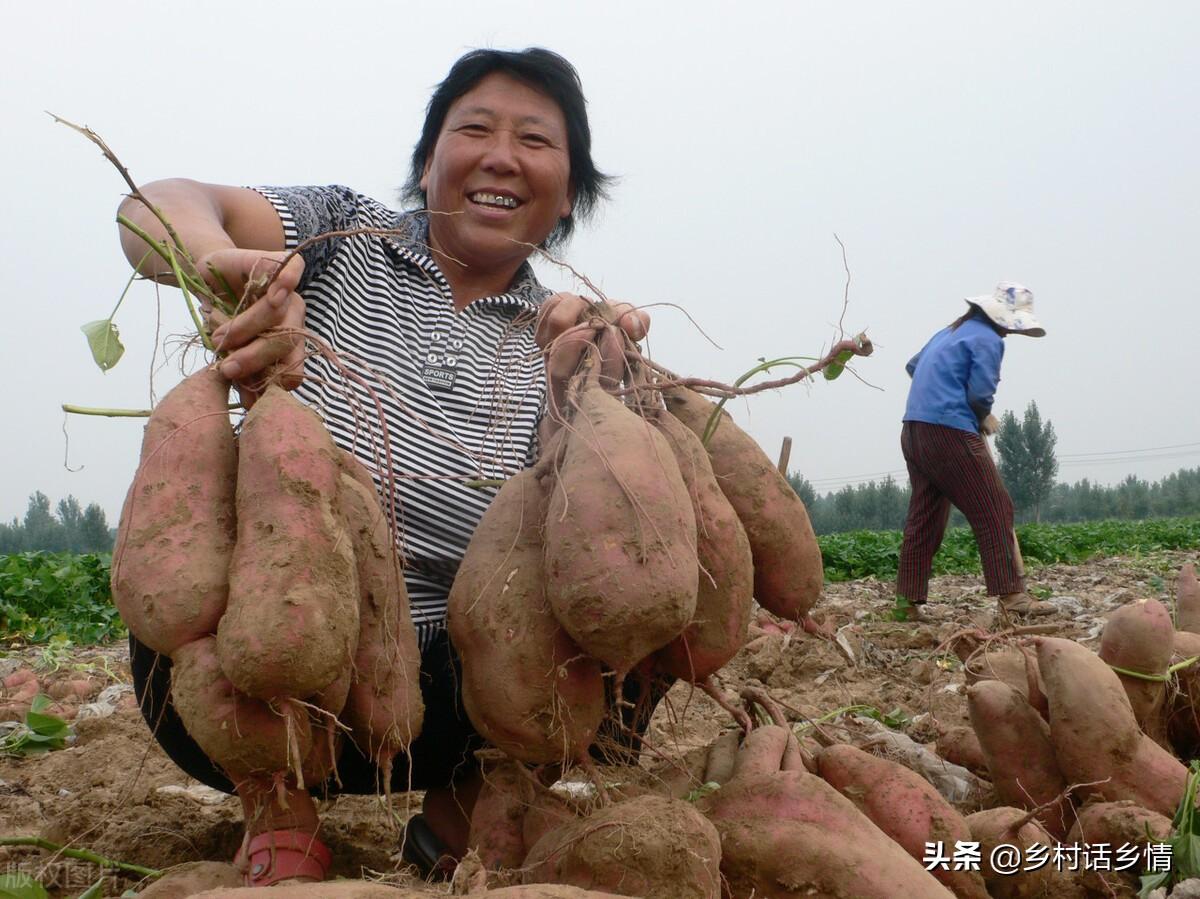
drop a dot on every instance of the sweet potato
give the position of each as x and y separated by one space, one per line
170 566
1011 828
1138 638
903 805
959 745
1183 714
186 880
1187 599
726 589
1117 824
384 709
1019 754
498 817
788 571
789 834
648 846
526 686
620 538
1095 734
293 618
243 735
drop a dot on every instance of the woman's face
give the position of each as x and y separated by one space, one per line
501 168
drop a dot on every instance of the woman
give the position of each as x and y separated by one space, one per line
954 381
443 311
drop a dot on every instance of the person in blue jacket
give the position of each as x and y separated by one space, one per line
946 422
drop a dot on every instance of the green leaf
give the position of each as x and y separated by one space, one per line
21 886
105 342
95 891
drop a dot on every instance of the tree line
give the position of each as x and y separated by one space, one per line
1028 466
66 527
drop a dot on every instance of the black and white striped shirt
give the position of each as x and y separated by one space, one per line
461 392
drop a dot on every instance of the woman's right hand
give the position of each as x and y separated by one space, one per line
264 341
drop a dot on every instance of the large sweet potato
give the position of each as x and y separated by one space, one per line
1010 831
1095 735
384 708
789 834
1016 746
526 686
726 589
170 566
620 538
497 830
1117 824
903 805
649 846
1138 638
245 736
788 571
292 618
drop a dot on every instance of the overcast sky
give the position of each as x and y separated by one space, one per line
950 145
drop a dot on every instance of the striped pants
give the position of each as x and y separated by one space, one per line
947 467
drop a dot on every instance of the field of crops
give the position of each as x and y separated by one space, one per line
45 595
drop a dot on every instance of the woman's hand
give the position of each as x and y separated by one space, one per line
263 340
559 328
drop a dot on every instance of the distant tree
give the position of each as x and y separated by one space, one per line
1027 461
41 530
94 535
893 505
804 490
68 529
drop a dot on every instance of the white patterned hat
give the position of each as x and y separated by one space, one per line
1011 307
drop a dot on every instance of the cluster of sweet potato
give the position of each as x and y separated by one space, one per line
261 563
629 549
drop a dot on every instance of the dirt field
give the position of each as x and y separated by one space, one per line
113 791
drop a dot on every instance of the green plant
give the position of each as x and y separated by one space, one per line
38 733
21 886
44 595
1184 841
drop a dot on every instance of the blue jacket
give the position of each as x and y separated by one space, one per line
955 376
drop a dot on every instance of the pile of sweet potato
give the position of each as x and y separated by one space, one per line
628 550
263 566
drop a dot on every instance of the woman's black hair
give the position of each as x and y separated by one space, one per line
974 311
544 71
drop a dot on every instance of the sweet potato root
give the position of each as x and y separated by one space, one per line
1095 734
648 846
1187 599
498 818
245 736
620 538
788 571
1117 824
170 566
1138 638
1004 826
526 686
384 709
725 593
789 834
1183 713
1016 746
292 618
903 805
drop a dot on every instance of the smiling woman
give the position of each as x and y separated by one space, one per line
440 306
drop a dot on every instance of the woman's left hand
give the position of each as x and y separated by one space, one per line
559 325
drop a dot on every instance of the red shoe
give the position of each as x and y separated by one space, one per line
275 855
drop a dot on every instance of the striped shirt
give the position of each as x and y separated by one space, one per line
461 393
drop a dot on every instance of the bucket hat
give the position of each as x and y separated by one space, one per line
1011 307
